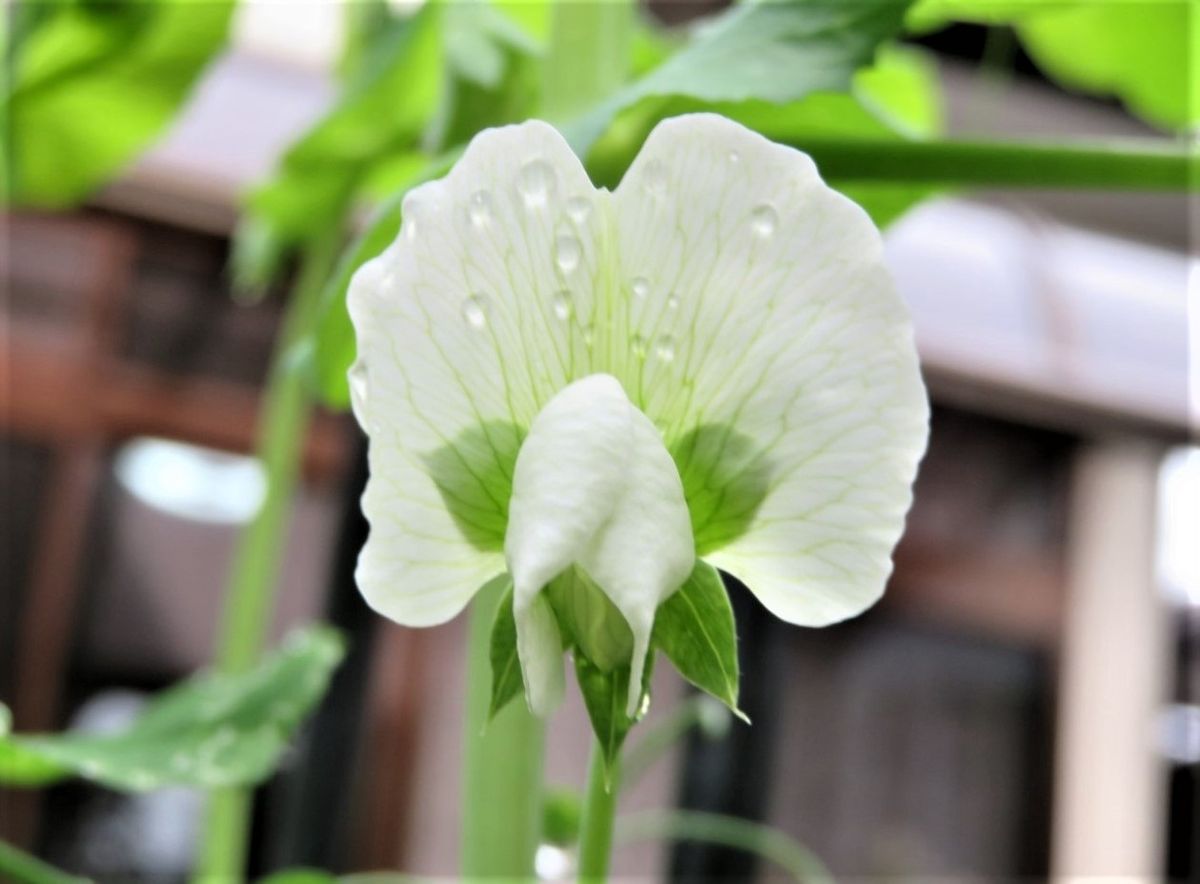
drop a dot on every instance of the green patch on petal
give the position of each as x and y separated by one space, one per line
590 621
695 629
726 477
604 696
506 665
474 476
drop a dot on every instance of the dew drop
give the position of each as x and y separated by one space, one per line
735 157
764 220
479 208
567 252
643 706
536 183
561 304
474 311
640 286
672 301
579 208
589 335
664 349
655 176
638 343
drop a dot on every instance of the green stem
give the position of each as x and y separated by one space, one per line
599 811
250 594
22 868
1115 165
728 831
588 56
502 770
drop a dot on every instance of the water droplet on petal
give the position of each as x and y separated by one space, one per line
655 176
640 286
764 220
536 183
567 252
638 343
474 311
735 157
358 389
561 303
643 706
665 348
672 301
579 207
479 208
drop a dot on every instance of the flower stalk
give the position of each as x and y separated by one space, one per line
599 814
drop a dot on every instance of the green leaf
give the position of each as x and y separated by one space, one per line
604 695
694 628
506 665
90 84
213 730
769 51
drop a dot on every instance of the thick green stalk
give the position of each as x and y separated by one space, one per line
19 867
250 594
1115 165
599 812
502 770
589 54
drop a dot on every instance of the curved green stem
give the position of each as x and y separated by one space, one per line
22 868
599 811
1115 165
250 595
728 831
502 768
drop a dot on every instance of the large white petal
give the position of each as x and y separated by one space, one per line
769 318
595 487
462 338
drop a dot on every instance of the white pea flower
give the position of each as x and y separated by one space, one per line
600 387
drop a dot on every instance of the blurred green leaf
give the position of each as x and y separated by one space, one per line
768 51
1141 51
89 85
213 730
694 628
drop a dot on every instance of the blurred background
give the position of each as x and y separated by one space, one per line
1024 703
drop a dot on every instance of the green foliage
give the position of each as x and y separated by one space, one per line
507 683
89 85
604 696
213 730
774 52
694 628
589 621
1141 51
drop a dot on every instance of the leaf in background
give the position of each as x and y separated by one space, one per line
897 97
769 51
213 730
383 112
90 85
1141 51
694 628
506 665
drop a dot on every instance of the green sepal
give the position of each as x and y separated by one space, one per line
506 665
212 730
604 695
695 629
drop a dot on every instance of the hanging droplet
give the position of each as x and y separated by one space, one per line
579 208
640 286
561 304
672 301
479 208
764 220
638 343
567 252
655 176
664 349
643 706
536 183
474 311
